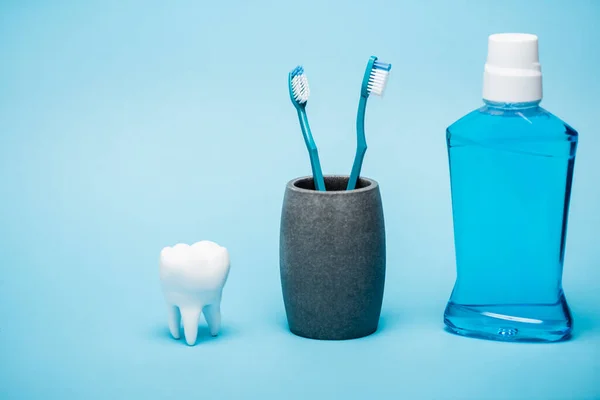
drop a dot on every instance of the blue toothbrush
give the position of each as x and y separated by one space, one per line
299 92
374 81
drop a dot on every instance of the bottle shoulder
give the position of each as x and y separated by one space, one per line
531 122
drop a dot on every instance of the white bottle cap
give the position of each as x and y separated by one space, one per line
512 72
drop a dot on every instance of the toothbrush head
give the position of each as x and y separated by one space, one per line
298 85
375 78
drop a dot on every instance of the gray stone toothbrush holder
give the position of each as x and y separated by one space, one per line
332 258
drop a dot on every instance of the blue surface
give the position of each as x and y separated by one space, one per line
125 127
511 169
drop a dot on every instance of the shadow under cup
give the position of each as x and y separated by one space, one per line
332 258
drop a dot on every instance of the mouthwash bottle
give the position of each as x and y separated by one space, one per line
511 166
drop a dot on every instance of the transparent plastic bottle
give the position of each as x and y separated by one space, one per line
511 167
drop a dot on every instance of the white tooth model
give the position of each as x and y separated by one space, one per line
192 280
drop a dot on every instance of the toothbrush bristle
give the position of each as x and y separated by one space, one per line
378 78
300 87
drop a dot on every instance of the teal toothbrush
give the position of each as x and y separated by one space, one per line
299 92
374 81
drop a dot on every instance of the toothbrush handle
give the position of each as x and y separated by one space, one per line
312 151
361 144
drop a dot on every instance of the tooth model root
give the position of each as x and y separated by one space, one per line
174 320
212 314
190 317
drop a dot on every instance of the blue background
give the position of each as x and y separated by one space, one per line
128 126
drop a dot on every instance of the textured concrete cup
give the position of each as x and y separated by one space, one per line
332 258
